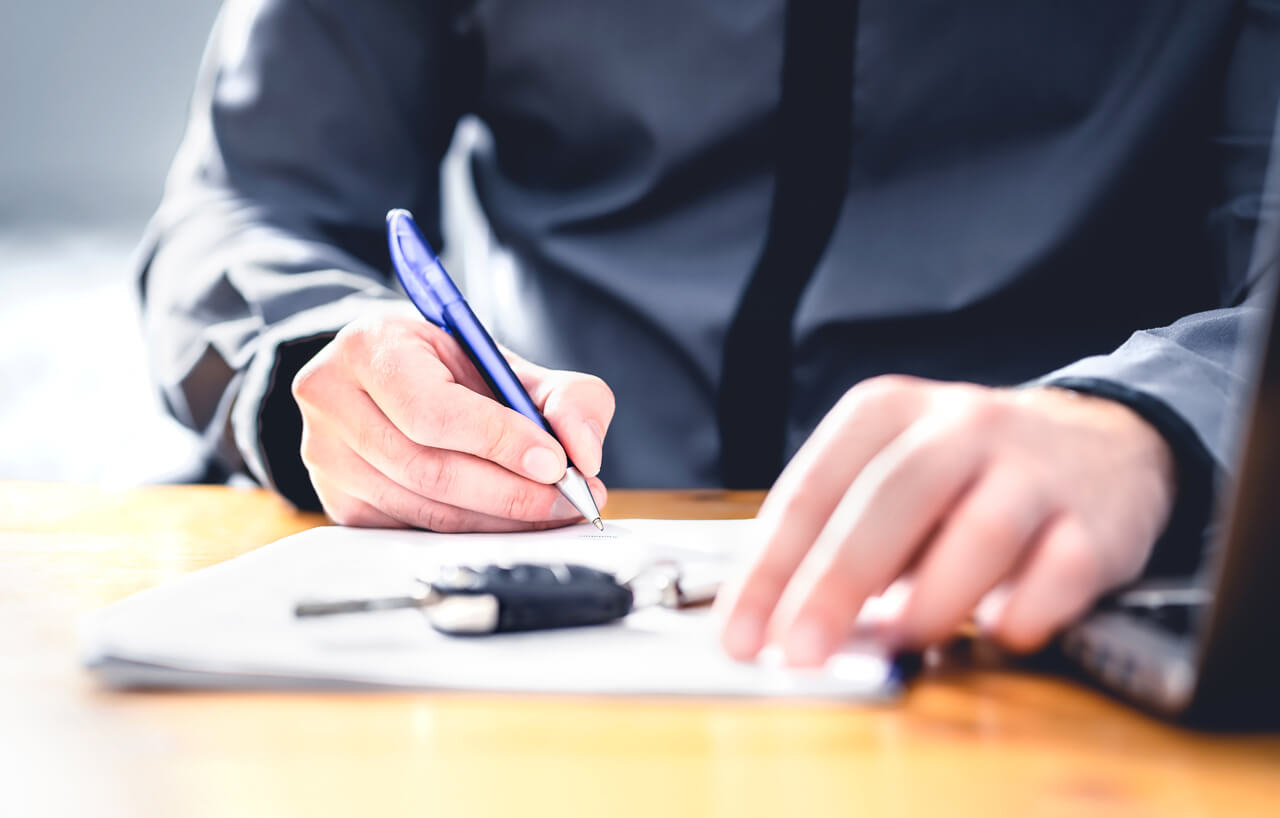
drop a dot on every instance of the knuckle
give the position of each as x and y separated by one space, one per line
382 498
402 505
990 527
800 505
1077 566
385 366
374 438
600 390
977 412
366 438
533 502
522 503
360 332
597 383
307 383
432 474
876 392
437 517
1072 558
424 420
887 385
499 439
357 340
441 422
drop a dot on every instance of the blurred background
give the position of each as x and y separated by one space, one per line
94 97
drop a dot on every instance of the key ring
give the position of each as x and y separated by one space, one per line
662 583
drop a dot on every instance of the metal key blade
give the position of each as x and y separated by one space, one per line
346 606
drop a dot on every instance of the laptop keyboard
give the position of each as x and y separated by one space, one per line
1178 619
1140 642
1175 610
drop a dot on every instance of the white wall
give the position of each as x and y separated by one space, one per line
92 101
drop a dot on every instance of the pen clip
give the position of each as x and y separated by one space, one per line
411 256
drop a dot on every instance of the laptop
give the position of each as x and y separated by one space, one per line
1206 651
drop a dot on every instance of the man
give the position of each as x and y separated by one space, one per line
743 218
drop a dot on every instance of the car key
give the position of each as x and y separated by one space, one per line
465 601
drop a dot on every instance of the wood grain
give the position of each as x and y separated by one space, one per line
965 741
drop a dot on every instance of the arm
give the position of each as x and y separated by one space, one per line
274 329
1186 379
1023 506
310 119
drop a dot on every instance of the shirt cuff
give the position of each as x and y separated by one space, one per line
1180 548
265 421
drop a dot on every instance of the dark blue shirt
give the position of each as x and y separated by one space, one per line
1063 192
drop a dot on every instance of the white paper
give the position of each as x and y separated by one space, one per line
232 625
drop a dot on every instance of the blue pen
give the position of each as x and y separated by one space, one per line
437 298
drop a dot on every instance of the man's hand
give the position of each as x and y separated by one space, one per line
1049 497
400 430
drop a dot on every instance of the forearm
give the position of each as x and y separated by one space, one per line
1186 380
269 239
229 304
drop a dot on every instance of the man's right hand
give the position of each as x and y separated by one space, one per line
399 429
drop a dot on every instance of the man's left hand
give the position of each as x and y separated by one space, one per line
1046 497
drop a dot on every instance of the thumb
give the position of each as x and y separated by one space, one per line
579 408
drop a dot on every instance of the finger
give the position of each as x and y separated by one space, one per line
794 513
448 477
377 339
361 481
878 526
579 408
336 466
1063 575
979 543
455 358
344 509
416 392
348 511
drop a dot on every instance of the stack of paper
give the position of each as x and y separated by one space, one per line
232 625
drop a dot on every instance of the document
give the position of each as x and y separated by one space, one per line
233 626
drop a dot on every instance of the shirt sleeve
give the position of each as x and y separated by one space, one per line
1189 379
310 119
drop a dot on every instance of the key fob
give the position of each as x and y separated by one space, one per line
525 597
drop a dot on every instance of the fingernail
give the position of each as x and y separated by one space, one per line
990 608
542 465
743 635
593 440
562 509
808 643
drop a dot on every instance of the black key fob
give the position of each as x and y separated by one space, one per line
524 597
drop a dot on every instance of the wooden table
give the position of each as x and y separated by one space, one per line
965 741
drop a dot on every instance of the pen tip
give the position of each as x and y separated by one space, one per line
596 522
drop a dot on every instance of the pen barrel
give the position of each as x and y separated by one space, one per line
497 373
490 362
